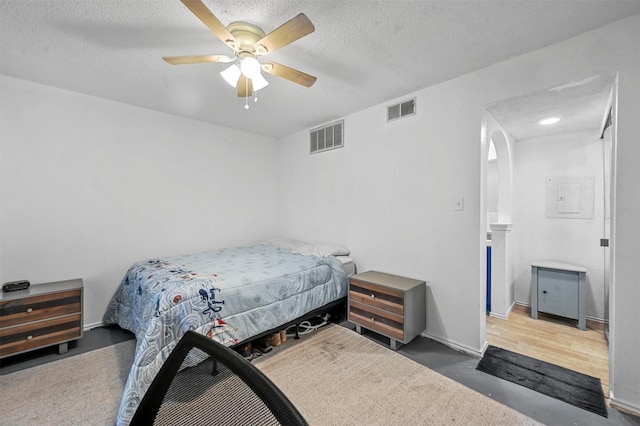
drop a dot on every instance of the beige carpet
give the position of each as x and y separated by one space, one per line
80 390
334 377
337 377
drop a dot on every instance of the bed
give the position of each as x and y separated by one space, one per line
230 295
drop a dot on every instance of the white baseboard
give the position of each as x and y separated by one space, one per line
457 346
590 318
484 347
594 319
88 327
624 406
499 316
503 317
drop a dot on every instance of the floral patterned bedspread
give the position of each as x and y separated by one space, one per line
229 295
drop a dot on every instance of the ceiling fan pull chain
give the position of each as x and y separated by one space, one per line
246 97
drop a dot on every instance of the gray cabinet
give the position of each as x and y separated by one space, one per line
388 304
42 315
558 289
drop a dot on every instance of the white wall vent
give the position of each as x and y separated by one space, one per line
402 109
327 137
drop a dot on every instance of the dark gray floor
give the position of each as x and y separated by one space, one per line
440 358
93 339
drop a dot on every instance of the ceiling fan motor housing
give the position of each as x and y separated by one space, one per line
246 35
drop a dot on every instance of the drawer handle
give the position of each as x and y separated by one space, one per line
29 337
373 319
373 296
29 310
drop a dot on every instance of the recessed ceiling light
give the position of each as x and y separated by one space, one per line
549 120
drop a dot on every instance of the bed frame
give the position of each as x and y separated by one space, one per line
337 307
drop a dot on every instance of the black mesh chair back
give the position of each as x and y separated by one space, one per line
205 383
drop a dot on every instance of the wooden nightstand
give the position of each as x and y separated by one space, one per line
388 304
42 315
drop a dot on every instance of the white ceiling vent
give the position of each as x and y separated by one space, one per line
402 109
327 137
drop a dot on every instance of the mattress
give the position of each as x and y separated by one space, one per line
347 264
230 295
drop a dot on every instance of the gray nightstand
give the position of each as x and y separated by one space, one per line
388 304
42 315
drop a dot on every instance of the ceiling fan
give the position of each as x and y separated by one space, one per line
248 43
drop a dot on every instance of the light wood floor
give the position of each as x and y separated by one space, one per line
555 340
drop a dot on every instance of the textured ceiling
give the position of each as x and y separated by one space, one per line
364 52
581 106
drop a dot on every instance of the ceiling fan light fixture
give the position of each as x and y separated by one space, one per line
259 82
231 75
250 67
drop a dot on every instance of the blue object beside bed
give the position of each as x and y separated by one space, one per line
229 295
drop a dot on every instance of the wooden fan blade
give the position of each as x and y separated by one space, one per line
286 33
182 60
209 19
290 74
245 87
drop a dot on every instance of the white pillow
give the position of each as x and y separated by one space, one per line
322 250
286 243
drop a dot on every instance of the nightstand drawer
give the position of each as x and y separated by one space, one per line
36 308
373 311
41 333
384 298
377 323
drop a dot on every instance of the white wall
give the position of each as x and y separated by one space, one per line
493 183
499 218
90 186
389 194
624 335
538 237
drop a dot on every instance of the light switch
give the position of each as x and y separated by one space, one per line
459 204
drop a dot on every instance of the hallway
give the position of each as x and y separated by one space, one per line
554 339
